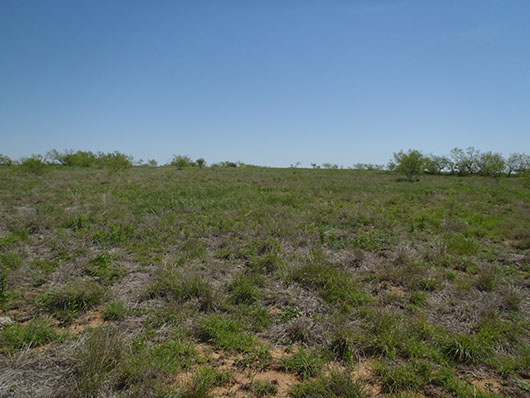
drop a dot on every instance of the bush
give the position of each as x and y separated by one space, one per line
410 164
34 165
491 165
180 161
5 160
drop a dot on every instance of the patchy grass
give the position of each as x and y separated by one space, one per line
244 280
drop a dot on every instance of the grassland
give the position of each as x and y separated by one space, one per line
157 282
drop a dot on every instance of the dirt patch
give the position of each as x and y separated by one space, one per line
92 320
365 371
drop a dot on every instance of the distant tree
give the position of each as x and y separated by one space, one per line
517 163
152 163
410 163
435 164
330 166
465 162
315 166
5 160
391 165
114 160
201 163
181 161
491 165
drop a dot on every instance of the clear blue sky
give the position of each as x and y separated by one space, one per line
265 82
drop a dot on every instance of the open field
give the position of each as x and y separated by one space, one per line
157 282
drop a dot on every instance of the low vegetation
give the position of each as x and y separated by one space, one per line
124 278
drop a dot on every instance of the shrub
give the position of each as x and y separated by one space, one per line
517 163
491 164
115 160
34 165
410 164
5 160
180 161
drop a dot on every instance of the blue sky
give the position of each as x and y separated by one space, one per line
265 82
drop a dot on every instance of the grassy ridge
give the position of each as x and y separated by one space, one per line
424 284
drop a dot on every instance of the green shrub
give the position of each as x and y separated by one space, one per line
410 164
34 165
180 162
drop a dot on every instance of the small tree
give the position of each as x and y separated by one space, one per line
465 162
201 163
410 164
5 160
491 165
180 161
35 164
517 163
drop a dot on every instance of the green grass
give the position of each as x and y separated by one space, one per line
36 333
289 270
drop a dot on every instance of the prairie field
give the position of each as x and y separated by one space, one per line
251 281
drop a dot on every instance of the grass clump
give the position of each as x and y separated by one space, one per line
404 376
335 385
97 362
102 268
225 333
204 380
335 285
10 260
114 311
304 363
244 289
184 287
78 295
263 388
36 333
